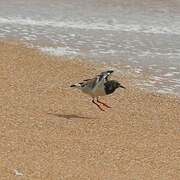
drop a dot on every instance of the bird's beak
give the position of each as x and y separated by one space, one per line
121 86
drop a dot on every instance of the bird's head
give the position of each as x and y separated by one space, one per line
111 86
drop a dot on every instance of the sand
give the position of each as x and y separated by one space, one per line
52 131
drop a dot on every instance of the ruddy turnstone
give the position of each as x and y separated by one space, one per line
99 86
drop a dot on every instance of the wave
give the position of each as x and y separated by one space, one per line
174 30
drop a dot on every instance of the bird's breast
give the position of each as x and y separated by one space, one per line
99 91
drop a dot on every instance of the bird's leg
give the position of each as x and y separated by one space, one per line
97 105
103 103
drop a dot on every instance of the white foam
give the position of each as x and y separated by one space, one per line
92 26
138 70
168 74
59 51
157 78
111 51
165 90
172 68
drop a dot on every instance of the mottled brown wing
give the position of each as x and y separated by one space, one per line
91 82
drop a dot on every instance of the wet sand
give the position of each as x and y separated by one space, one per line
52 131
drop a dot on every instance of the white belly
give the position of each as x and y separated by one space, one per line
95 92
98 91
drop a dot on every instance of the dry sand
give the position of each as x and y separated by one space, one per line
51 131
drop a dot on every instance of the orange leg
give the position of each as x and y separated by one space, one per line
97 105
103 103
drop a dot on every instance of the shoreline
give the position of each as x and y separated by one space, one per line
50 131
141 77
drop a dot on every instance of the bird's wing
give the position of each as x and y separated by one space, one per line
90 82
99 79
105 75
102 78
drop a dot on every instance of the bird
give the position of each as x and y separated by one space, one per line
98 86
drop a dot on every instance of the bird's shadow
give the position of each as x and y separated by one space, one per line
70 116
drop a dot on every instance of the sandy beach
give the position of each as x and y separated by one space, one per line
52 131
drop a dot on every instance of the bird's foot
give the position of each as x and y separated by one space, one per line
103 104
98 105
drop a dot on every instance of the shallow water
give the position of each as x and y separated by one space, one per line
144 34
